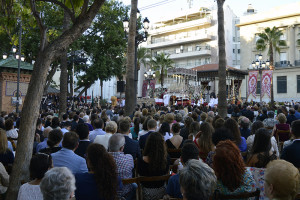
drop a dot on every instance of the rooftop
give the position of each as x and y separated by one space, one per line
12 62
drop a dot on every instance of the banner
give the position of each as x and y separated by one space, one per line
152 85
144 88
266 82
252 82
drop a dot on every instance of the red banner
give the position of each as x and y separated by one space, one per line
144 89
152 84
252 82
266 82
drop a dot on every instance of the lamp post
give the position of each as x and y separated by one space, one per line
139 38
149 75
260 66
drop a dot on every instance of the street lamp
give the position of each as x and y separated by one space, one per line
260 66
139 38
149 75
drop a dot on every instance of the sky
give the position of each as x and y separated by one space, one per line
155 9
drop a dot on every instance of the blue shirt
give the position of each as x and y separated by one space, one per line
94 133
67 158
42 145
173 188
243 145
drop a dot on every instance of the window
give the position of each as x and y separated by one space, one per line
298 83
281 84
178 50
190 48
233 51
198 48
258 87
283 56
283 36
239 51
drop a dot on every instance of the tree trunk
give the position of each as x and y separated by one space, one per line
272 68
101 85
130 92
49 78
64 72
222 103
162 77
29 114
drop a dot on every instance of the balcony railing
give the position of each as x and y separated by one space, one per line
297 62
283 63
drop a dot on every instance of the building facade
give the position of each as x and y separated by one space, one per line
286 73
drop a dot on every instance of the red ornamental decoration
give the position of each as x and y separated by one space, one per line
144 89
152 84
252 82
266 82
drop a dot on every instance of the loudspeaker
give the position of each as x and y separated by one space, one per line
120 86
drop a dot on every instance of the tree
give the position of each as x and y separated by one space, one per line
222 103
130 91
48 52
161 63
270 38
143 57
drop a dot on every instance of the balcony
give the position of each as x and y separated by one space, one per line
297 62
164 43
204 52
181 26
282 64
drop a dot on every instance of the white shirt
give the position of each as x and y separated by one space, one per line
141 133
30 192
250 141
168 136
103 139
12 133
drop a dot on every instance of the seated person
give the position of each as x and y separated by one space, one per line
176 141
282 126
54 139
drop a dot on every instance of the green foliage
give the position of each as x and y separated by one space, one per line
161 63
143 57
270 37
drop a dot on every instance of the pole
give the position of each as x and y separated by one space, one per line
19 66
135 72
260 96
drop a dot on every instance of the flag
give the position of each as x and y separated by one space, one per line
144 88
266 82
252 82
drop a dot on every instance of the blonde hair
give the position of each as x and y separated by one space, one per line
169 118
111 127
3 141
284 177
281 118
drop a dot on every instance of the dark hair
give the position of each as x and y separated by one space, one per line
70 140
165 128
54 137
105 174
296 128
65 116
98 123
176 127
136 123
38 122
55 122
75 117
83 131
66 124
145 127
9 124
156 150
194 128
255 126
152 124
39 165
219 123
189 151
221 134
232 125
124 126
262 141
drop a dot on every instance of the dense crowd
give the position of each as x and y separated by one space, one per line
88 153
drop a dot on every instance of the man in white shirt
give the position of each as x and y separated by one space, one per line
98 124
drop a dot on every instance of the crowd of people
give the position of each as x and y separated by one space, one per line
86 153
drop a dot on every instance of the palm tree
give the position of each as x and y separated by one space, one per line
143 57
222 103
130 93
270 38
161 63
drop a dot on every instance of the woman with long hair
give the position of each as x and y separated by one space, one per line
229 166
153 163
136 128
193 130
101 182
204 140
261 153
165 131
6 155
240 141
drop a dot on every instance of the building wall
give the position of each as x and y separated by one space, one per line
286 18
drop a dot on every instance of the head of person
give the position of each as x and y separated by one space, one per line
211 114
145 112
58 184
169 118
194 128
291 111
156 150
255 126
98 123
232 125
178 117
189 151
151 125
3 141
70 140
203 116
105 174
187 121
281 118
229 164
165 128
75 118
221 134
111 127
124 126
197 180
296 128
39 165
55 122
86 119
116 143
83 131
281 180
205 139
39 124
219 123
65 117
9 124
136 123
47 131
67 125
175 129
262 141
54 138
271 114
245 122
